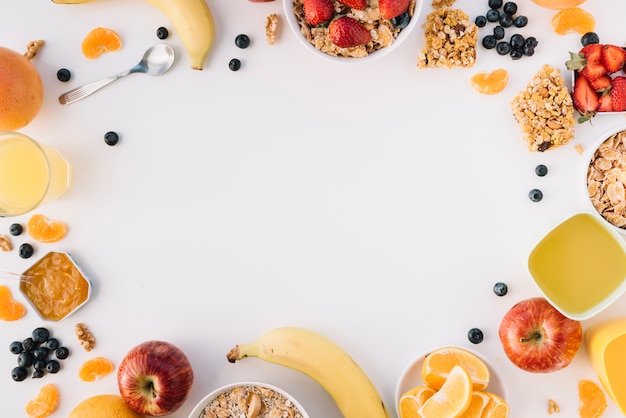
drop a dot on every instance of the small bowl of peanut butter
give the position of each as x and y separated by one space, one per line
55 286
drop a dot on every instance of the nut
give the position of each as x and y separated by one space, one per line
271 28
86 338
254 408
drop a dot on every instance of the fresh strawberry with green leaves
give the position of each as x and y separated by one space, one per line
355 4
606 102
318 12
346 32
613 58
392 8
618 94
587 62
586 100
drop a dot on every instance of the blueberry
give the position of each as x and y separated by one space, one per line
29 344
398 22
500 289
62 353
489 42
535 195
52 344
40 335
531 41
16 347
498 32
38 374
25 359
19 373
53 366
41 353
492 15
503 48
64 75
505 20
520 21
162 32
590 38
510 8
16 229
541 170
528 50
234 64
480 21
243 41
517 41
475 336
516 54
494 4
39 365
26 250
111 138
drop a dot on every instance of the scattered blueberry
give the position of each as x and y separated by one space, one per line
517 41
520 21
510 8
500 289
52 344
243 41
399 22
62 353
531 41
498 32
111 138
503 48
495 4
41 353
53 366
506 21
16 347
25 359
16 229
39 365
19 373
541 170
475 336
28 344
489 42
492 15
590 38
162 32
64 75
516 54
535 195
26 250
35 352
38 373
480 21
40 335
234 64
528 50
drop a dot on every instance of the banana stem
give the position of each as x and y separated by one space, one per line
241 351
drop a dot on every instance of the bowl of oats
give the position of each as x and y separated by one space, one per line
250 400
352 31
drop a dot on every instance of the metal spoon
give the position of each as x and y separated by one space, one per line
156 61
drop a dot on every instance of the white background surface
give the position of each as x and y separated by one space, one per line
376 204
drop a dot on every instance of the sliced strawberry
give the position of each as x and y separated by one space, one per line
606 103
355 4
346 32
613 58
601 84
392 8
588 62
585 98
618 94
318 12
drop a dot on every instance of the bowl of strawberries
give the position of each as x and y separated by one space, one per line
599 79
352 30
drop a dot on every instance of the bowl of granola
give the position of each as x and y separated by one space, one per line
334 30
250 400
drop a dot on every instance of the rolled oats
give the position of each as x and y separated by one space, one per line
271 28
442 3
450 39
251 402
86 338
545 111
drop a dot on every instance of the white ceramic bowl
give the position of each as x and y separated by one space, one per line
412 377
292 20
195 413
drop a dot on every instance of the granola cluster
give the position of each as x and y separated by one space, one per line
606 179
251 402
383 32
450 39
545 111
271 28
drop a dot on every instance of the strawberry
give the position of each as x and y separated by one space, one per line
318 12
392 8
613 58
346 32
588 62
618 94
586 100
601 84
606 104
355 4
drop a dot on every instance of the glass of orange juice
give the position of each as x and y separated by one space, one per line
31 174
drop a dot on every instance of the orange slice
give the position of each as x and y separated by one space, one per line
559 4
496 408
43 229
439 363
454 397
477 405
100 40
10 309
592 401
44 404
95 368
573 19
490 83
412 401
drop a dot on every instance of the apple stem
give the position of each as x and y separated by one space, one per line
534 336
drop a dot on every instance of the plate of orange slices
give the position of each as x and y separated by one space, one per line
450 381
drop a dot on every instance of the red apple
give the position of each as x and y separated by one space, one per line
155 378
538 338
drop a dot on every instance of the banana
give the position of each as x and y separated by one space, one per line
324 361
192 20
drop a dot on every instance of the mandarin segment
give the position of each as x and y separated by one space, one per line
95 368
10 309
573 19
496 408
477 405
439 363
490 83
45 403
42 229
559 4
413 399
592 401
454 397
100 40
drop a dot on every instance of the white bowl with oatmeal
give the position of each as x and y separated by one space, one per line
385 36
250 400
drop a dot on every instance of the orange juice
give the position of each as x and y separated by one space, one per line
30 174
580 266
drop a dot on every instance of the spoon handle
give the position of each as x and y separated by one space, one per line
88 89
